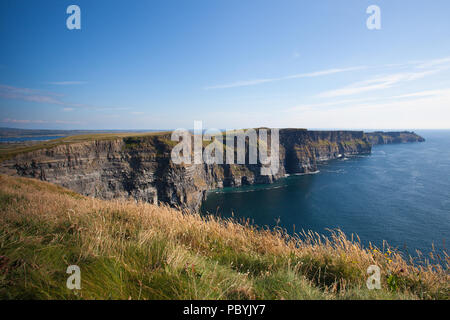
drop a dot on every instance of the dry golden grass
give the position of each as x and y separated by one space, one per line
128 249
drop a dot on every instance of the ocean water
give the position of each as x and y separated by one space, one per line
400 193
34 138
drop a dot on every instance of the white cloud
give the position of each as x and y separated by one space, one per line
377 83
347 102
39 96
422 109
8 120
425 93
26 94
303 107
34 121
295 76
433 63
66 83
369 85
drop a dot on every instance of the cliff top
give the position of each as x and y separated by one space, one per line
381 137
9 150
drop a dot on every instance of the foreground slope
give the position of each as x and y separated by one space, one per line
127 249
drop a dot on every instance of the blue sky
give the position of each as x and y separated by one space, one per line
232 64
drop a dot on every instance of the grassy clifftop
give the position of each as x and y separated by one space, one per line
8 151
136 250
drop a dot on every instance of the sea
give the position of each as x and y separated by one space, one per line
398 196
33 138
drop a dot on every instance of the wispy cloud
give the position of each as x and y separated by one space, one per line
22 121
311 106
421 64
377 83
295 76
66 83
419 109
26 94
39 96
433 63
370 100
426 93
36 121
417 70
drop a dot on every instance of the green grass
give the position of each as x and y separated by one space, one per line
8 151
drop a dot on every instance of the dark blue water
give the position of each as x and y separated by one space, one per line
36 138
400 193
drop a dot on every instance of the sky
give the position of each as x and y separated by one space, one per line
163 64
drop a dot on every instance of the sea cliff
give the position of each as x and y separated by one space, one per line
140 167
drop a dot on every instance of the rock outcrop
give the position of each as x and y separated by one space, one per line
141 167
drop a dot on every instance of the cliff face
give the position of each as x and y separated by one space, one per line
303 149
141 167
380 137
